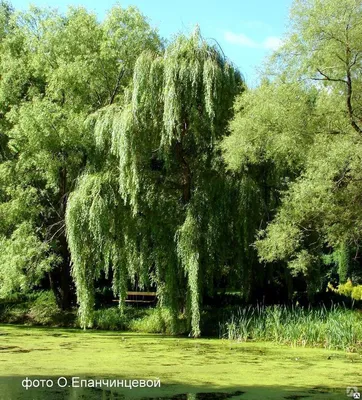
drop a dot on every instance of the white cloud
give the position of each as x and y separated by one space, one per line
240 39
269 43
272 42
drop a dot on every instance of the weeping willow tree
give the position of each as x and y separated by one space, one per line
56 69
157 209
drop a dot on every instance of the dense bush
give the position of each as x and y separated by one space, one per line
38 308
13 313
44 309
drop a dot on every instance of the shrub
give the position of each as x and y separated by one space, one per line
14 313
44 310
37 308
357 292
348 289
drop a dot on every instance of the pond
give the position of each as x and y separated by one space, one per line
66 362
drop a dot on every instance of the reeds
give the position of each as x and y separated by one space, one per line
332 328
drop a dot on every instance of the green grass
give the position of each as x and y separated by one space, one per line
335 328
184 366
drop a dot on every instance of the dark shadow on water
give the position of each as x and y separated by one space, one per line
11 389
65 331
17 349
8 348
199 396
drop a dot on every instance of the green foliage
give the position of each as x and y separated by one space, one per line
56 70
90 208
14 313
110 319
303 123
275 131
335 328
37 308
348 289
24 260
147 221
343 262
44 310
187 249
341 257
127 160
159 320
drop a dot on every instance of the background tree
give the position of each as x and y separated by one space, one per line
55 71
315 128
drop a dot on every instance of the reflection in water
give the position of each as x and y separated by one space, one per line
198 396
11 389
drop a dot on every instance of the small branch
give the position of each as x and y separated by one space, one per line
55 234
349 95
55 224
354 60
99 98
220 48
340 58
113 95
328 78
344 173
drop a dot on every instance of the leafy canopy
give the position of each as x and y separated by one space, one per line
306 123
55 70
147 218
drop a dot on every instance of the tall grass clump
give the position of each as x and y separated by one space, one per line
159 320
111 319
334 328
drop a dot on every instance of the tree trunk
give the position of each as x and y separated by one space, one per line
60 277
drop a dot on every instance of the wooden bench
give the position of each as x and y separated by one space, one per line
141 297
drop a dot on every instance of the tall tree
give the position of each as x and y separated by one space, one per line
317 130
159 214
55 71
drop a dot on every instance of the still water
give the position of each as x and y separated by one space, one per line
13 389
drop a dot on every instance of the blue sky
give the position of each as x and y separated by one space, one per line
247 30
